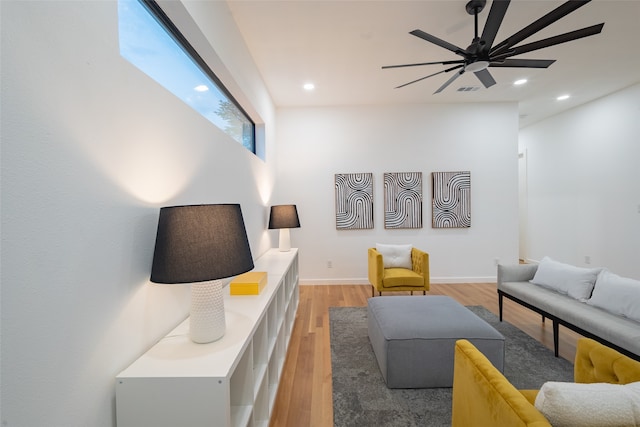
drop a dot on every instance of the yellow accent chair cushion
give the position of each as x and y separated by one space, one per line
483 397
397 279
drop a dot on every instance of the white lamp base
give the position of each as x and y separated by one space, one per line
206 323
285 240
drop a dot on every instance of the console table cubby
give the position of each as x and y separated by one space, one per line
230 382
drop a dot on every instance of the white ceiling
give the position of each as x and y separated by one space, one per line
341 45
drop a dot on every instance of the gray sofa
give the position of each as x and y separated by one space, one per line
606 325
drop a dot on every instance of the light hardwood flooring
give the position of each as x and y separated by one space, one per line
304 394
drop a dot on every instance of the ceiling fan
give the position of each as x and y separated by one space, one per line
482 53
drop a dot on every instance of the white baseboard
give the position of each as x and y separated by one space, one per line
364 281
458 280
334 282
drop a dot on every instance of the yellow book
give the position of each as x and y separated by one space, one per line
251 283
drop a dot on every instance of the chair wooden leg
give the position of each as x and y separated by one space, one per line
424 292
411 292
373 291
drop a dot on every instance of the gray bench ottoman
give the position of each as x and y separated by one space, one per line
413 338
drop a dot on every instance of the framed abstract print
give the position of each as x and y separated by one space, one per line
403 200
451 199
354 201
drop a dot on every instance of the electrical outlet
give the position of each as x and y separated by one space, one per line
329 264
587 259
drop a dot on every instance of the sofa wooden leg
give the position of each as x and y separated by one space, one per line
411 293
500 305
424 292
543 318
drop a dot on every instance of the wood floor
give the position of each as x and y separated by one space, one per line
304 395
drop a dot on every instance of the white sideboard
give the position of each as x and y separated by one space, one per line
230 382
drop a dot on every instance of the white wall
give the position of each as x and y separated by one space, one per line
583 176
316 143
91 148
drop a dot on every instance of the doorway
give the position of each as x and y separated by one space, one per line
522 205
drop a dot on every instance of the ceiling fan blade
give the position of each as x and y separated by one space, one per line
430 75
448 82
485 78
494 20
548 19
523 63
435 40
458 61
551 41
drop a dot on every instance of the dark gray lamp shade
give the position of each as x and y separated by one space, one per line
284 216
199 243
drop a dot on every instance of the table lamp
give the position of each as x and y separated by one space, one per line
200 245
284 217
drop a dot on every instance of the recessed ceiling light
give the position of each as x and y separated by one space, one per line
562 97
520 82
309 86
201 88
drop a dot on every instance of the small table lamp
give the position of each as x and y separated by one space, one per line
284 217
202 244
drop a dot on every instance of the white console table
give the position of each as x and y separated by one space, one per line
229 382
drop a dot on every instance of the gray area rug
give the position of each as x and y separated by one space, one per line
361 398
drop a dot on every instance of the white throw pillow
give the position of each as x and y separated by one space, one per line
618 295
577 282
590 405
395 255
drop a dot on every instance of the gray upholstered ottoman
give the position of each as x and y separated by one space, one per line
413 338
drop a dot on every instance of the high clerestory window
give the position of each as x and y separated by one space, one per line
151 42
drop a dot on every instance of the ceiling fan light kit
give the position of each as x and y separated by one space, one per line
476 66
482 54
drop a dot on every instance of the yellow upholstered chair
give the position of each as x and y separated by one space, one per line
483 397
396 279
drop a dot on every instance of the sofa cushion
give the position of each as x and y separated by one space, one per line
585 405
395 255
567 279
617 295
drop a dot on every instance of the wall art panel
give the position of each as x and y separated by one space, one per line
403 200
354 201
451 199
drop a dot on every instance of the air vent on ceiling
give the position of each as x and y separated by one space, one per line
468 88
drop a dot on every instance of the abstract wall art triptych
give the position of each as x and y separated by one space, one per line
354 201
451 203
451 199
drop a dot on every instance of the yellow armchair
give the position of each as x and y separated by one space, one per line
483 397
399 279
